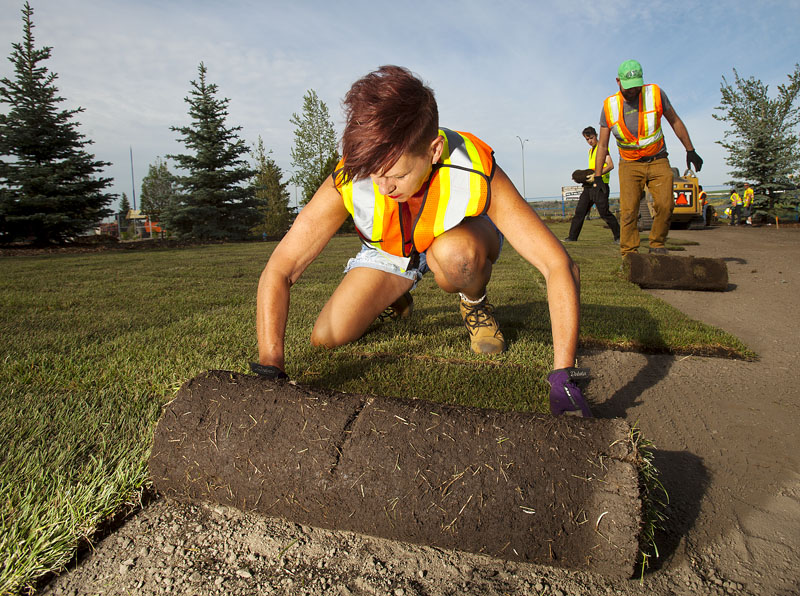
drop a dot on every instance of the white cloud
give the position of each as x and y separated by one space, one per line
535 69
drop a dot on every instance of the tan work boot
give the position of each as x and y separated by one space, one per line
399 309
484 332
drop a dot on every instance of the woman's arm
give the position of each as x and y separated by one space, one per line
314 227
536 243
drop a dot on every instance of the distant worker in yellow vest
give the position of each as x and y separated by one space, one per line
594 194
634 116
703 198
747 202
736 208
422 198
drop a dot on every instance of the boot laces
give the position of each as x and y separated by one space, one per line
395 310
479 315
389 314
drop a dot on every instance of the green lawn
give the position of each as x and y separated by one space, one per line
95 344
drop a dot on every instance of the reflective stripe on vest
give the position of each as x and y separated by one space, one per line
736 199
748 197
592 159
458 188
650 139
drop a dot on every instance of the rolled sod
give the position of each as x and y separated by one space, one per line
668 272
519 486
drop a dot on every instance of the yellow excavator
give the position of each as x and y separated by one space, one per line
688 211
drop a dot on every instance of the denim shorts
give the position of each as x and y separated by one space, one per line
375 259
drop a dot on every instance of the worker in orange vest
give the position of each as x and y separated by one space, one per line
703 198
634 116
419 196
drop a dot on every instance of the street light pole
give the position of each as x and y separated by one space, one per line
133 184
522 147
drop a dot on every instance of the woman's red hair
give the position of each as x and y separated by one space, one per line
389 112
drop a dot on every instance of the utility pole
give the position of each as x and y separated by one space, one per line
522 146
133 185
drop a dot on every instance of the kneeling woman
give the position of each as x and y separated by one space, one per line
422 198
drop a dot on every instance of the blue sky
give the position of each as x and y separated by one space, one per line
537 70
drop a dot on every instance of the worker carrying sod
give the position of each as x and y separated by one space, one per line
634 116
594 194
422 198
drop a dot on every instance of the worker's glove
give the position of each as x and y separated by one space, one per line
590 178
692 159
565 395
268 372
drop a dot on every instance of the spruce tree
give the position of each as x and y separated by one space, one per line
214 199
50 188
126 226
124 204
271 194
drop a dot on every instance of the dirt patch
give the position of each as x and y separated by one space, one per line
727 434
519 486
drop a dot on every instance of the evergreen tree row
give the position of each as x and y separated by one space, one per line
52 189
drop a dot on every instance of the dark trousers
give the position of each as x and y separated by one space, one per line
593 196
736 215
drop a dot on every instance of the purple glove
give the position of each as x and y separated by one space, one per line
268 372
565 396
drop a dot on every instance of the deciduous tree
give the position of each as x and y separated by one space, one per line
762 140
158 189
314 153
215 200
50 185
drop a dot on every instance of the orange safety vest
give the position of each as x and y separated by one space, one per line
459 187
703 197
650 139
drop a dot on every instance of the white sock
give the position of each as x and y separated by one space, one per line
472 302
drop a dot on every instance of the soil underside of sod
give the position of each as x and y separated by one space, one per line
519 486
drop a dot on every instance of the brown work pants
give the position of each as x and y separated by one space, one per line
633 177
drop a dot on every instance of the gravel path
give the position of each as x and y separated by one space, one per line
727 435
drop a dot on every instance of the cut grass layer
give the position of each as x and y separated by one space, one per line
95 344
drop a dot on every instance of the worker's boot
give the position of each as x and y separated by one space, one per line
399 309
484 332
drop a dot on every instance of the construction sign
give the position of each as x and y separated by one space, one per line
569 193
